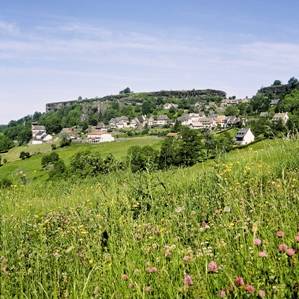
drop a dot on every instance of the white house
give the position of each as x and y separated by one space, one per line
244 136
119 122
99 137
284 117
39 134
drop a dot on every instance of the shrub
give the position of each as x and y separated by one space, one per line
57 169
142 158
5 183
49 159
65 140
87 164
24 155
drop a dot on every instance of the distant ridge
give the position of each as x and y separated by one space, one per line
138 97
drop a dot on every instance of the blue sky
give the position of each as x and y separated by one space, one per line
61 49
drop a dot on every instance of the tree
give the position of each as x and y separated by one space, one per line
86 164
142 158
232 110
190 148
147 107
276 83
169 153
65 140
125 91
293 82
5 143
57 169
49 159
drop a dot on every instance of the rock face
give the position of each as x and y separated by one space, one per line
98 102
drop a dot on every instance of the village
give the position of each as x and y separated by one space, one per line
207 118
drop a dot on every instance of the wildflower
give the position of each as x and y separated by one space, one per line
131 286
280 234
148 289
262 254
239 281
179 209
222 294
151 270
257 242
249 288
188 280
261 294
187 258
290 251
213 267
124 277
297 238
168 252
226 209
282 247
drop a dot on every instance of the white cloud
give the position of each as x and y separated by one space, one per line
8 28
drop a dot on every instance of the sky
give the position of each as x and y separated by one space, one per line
62 49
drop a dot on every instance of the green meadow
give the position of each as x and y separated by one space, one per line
225 228
32 166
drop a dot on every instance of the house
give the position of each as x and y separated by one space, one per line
244 136
159 121
71 133
208 122
119 122
39 134
169 106
220 121
232 121
283 117
98 136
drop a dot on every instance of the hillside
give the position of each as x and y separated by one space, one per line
32 167
131 98
198 232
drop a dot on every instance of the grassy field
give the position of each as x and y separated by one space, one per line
32 166
212 230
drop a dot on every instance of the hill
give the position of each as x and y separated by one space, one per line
214 229
32 167
131 98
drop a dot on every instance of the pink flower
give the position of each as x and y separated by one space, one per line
262 254
297 238
249 288
222 294
151 270
257 242
280 234
213 267
124 277
290 252
262 294
188 280
239 281
282 247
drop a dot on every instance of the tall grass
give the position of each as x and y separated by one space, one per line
138 236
